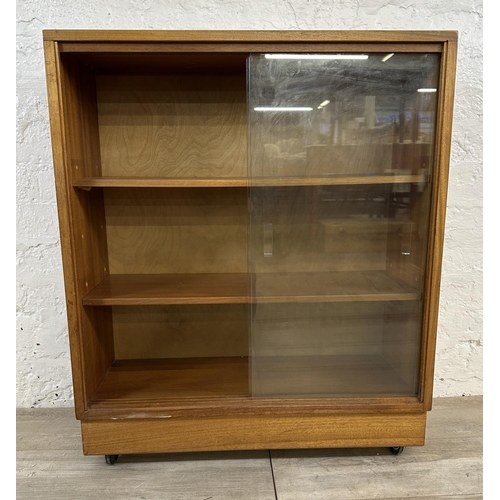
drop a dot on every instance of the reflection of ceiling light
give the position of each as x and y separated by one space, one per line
427 90
283 109
387 57
326 102
316 56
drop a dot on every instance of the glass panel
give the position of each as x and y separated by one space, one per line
340 166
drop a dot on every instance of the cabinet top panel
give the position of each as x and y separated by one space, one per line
271 36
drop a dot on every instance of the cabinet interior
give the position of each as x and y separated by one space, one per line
230 257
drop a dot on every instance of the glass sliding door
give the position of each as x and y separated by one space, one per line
340 163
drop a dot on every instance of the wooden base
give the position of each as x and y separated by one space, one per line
252 433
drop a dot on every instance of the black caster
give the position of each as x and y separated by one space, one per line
397 450
111 459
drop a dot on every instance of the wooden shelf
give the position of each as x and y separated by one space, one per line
162 182
183 382
174 378
341 375
157 182
347 286
164 289
339 180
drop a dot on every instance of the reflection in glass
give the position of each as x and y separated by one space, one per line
340 166
349 116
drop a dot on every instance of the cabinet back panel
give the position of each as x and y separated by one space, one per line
318 329
176 125
319 228
191 331
190 230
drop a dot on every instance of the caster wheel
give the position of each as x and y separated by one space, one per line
111 459
397 450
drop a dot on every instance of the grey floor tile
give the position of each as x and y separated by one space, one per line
449 466
51 466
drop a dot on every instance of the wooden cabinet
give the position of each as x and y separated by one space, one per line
252 227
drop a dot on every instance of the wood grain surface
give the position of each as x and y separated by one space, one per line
158 289
173 380
164 379
173 125
93 48
162 182
308 431
176 231
344 36
180 331
75 143
438 219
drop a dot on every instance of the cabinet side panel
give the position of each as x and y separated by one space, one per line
438 218
52 70
408 244
76 154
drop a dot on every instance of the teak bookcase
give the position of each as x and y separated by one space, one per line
252 228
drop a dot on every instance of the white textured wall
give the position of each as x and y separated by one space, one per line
43 367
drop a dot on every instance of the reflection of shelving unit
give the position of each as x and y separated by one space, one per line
231 282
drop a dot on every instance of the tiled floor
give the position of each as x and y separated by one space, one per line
51 466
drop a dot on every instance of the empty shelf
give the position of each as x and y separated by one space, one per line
164 289
163 182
